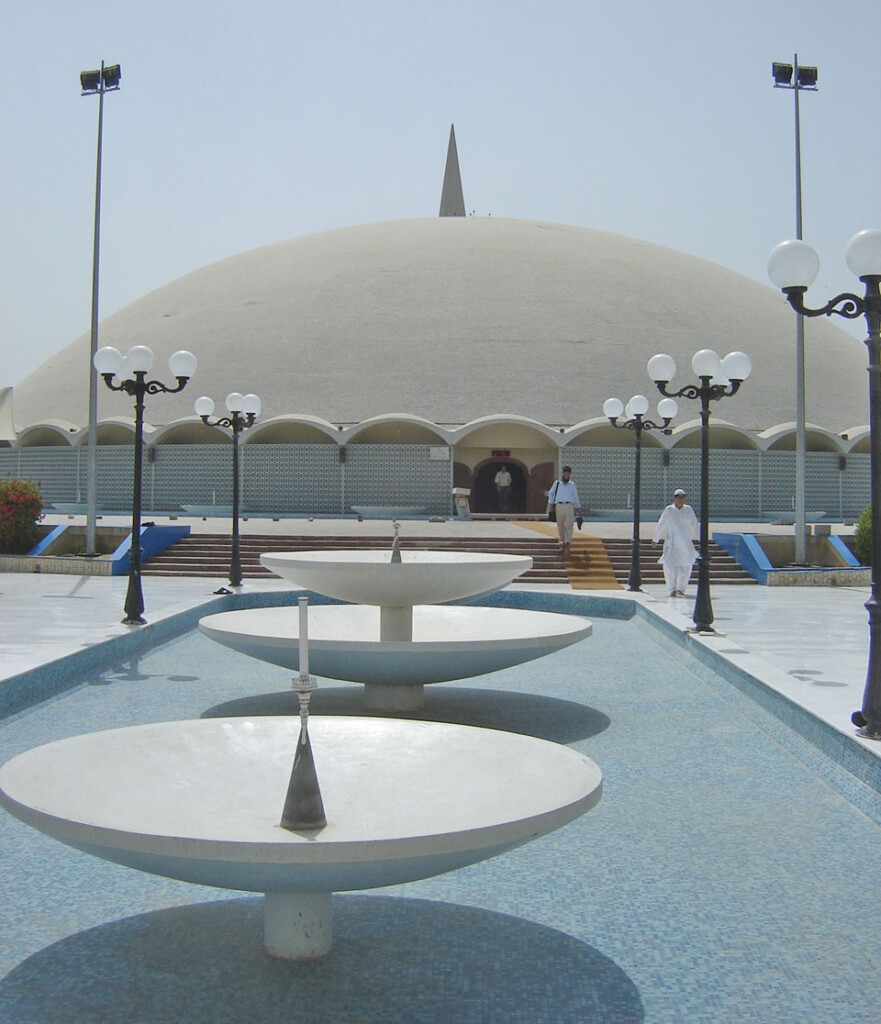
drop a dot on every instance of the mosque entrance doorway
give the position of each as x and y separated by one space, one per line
484 497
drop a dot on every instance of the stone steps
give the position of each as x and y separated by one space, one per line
206 554
723 568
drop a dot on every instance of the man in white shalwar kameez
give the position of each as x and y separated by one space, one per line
678 529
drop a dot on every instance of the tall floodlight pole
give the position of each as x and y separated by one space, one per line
95 83
793 266
791 76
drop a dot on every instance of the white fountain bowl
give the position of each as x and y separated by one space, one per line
451 642
421 577
201 800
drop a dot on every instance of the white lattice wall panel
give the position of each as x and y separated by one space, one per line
292 478
856 489
778 482
823 483
605 477
187 474
310 479
396 475
114 465
54 469
734 484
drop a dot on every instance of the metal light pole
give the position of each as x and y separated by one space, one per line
243 411
798 79
131 372
719 378
793 266
635 410
105 79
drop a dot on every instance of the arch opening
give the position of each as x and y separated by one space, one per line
484 495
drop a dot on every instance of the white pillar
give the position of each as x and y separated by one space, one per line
297 925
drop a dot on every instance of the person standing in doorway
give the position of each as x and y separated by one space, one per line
678 529
503 488
563 499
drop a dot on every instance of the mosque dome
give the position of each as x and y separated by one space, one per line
457 318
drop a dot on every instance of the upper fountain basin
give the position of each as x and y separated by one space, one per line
421 577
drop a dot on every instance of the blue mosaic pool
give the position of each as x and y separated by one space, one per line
721 879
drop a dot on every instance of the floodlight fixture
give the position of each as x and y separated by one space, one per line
782 75
789 76
103 79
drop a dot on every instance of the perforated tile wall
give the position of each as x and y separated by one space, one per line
293 478
398 475
312 479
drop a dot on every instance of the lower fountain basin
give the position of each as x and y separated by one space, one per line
201 800
450 642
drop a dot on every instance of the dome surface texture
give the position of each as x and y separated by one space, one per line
456 318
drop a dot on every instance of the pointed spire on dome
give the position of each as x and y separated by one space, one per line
452 202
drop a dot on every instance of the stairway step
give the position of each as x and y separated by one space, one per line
209 555
723 568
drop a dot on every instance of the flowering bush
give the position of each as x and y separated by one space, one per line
21 508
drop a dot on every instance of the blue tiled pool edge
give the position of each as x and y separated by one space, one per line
843 763
24 690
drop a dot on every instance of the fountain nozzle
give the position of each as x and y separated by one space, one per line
396 545
303 807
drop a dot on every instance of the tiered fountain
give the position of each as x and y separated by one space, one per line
395 637
205 801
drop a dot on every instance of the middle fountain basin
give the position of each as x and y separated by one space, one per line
449 642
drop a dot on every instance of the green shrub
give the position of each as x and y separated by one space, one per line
862 537
21 508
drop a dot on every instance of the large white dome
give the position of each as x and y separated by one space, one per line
455 318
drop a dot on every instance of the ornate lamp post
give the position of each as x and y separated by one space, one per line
243 411
635 410
131 374
95 83
793 266
719 378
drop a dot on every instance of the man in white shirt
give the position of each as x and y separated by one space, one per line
503 487
678 528
563 498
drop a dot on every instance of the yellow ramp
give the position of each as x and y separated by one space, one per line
588 566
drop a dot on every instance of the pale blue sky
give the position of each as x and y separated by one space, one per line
239 124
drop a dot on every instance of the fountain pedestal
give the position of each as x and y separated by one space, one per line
297 925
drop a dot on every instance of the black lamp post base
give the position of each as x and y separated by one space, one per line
134 599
